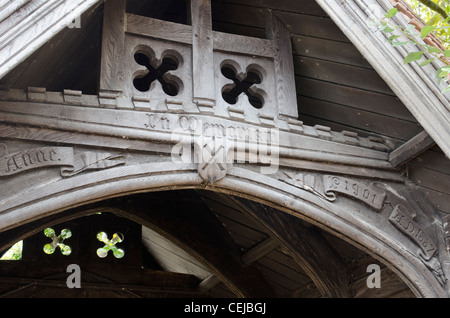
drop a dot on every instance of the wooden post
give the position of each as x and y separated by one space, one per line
202 54
284 67
113 47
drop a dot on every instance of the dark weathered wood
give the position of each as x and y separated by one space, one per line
343 74
410 149
259 251
325 49
191 225
94 278
430 179
358 119
304 24
318 261
304 7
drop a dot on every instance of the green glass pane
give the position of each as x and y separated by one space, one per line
117 238
49 232
102 253
49 248
65 249
119 253
65 234
102 237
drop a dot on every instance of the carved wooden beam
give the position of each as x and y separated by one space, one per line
411 149
310 250
260 250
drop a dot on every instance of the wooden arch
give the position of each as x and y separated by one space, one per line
336 217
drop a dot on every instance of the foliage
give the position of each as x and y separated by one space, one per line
400 36
14 253
434 19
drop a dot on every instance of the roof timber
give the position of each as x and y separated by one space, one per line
414 85
411 149
309 250
203 237
24 31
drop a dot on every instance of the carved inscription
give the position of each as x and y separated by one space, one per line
412 230
371 195
308 183
30 159
158 122
34 159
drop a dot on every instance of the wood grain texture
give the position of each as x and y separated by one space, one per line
159 29
310 251
410 149
202 51
26 30
113 46
284 67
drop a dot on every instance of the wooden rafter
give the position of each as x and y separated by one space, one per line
310 250
24 31
190 224
411 149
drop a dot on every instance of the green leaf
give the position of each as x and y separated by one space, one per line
446 90
447 53
393 37
426 62
433 49
409 28
427 30
392 12
435 19
414 56
384 27
395 44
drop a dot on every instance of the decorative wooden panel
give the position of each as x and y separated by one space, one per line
156 65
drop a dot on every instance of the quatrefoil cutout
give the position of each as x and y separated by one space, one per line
57 241
156 71
243 83
110 245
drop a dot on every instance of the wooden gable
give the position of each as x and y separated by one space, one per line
347 151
